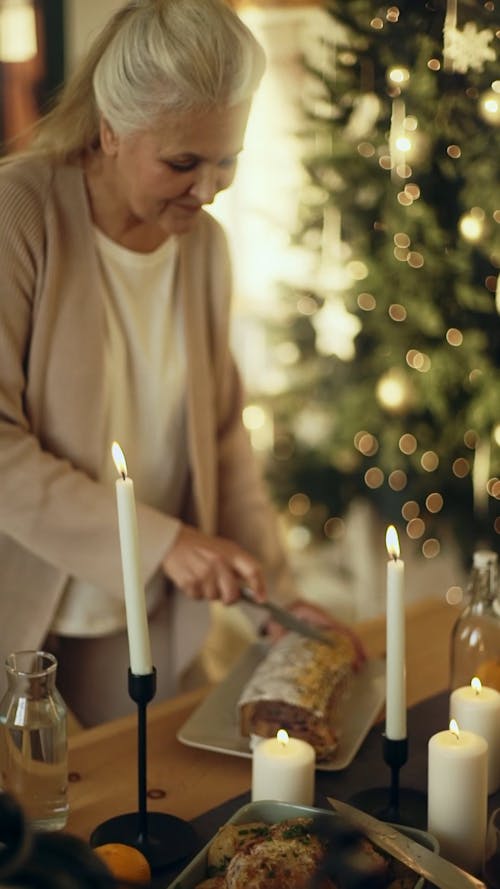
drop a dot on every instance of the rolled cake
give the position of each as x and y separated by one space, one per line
298 686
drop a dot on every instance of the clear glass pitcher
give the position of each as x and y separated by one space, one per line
475 638
33 739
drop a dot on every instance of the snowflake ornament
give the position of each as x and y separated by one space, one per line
468 48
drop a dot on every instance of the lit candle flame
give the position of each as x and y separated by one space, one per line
476 684
392 542
454 728
119 459
282 737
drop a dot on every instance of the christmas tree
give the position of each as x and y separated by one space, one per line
393 350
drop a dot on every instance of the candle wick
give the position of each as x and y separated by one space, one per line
394 557
123 474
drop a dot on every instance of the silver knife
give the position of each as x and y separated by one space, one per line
437 870
287 619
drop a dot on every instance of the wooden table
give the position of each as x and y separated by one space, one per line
185 781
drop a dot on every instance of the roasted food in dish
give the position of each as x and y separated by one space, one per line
299 686
264 856
229 839
287 854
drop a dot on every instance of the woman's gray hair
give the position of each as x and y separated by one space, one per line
152 57
175 55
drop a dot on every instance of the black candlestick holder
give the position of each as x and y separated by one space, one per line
395 804
163 839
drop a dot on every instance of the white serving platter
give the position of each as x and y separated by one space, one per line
214 724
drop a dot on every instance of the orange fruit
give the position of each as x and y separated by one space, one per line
125 862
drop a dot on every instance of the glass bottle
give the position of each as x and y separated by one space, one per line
33 739
475 638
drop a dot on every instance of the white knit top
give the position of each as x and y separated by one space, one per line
145 386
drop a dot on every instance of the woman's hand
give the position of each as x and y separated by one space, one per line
313 614
205 567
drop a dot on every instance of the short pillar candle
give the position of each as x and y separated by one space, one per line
476 708
283 769
457 795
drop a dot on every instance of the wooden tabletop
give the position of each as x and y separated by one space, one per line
185 781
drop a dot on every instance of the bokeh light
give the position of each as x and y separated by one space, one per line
374 477
397 480
431 548
334 528
454 595
408 443
434 502
415 528
299 504
410 510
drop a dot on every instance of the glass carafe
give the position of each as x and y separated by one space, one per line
33 739
475 639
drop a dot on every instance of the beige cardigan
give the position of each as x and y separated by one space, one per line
56 520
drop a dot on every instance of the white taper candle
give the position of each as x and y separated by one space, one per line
135 600
395 719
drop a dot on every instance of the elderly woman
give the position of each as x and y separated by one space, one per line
114 316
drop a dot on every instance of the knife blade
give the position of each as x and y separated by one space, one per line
437 870
287 619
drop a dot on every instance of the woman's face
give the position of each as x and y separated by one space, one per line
162 177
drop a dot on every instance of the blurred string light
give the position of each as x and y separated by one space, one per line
429 461
398 76
334 528
366 443
366 302
260 425
471 439
434 502
410 510
461 467
397 480
415 528
299 505
408 444
418 361
431 548
454 595
399 143
298 537
393 391
374 477
471 224
18 41
480 475
454 336
489 107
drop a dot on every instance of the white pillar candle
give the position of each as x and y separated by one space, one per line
395 718
141 662
457 795
283 769
477 709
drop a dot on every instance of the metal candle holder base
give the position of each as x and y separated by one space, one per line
163 839
394 804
